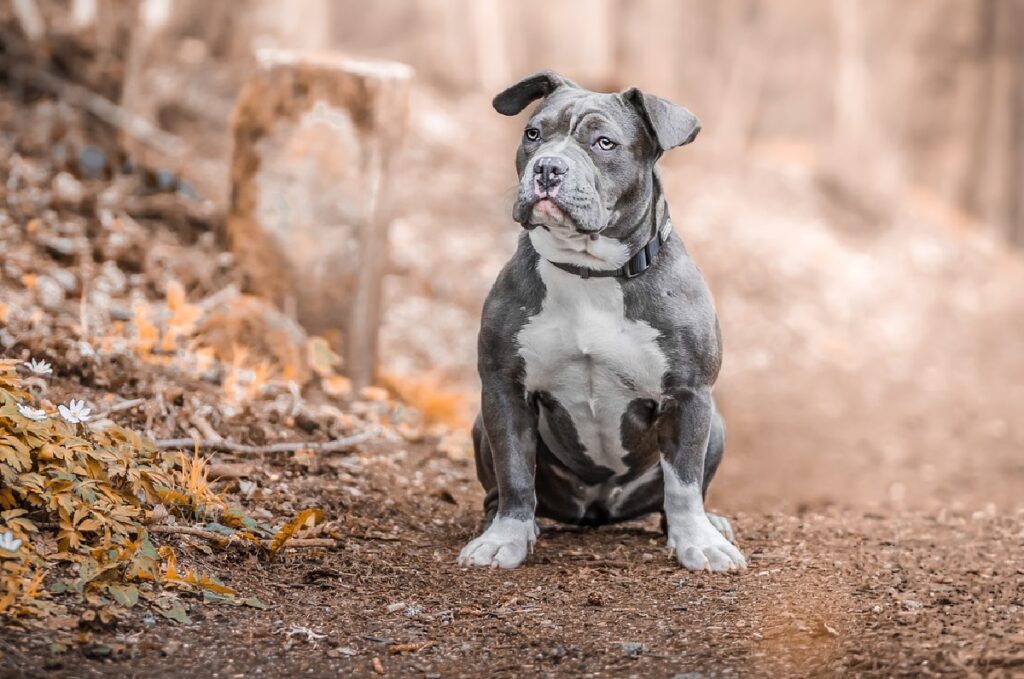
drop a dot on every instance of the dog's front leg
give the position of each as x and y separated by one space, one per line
684 429
511 432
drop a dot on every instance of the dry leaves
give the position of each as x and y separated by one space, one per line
97 489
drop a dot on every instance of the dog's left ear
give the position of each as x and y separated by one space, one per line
669 125
518 96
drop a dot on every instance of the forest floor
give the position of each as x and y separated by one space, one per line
872 385
843 593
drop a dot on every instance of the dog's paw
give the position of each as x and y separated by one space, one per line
723 526
504 544
699 546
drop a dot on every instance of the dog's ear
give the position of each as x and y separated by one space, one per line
669 125
516 98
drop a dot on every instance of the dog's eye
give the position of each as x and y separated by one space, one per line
532 134
605 144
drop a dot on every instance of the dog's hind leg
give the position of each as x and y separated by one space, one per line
715 450
687 420
485 470
712 458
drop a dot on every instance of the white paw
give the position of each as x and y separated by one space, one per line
700 546
723 526
504 544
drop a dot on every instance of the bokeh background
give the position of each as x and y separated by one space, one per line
855 200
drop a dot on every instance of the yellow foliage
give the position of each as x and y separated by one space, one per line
95 485
321 357
337 385
431 396
184 316
307 517
145 333
191 476
191 578
245 380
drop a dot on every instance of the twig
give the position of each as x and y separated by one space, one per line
118 407
232 447
228 293
220 537
384 537
170 146
204 427
228 470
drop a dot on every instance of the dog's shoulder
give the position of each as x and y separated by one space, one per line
516 295
673 298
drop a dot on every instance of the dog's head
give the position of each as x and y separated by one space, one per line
586 160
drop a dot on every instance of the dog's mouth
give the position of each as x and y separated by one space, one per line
546 212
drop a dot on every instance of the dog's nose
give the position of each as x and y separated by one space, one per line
548 171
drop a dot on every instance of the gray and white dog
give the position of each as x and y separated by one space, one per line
599 343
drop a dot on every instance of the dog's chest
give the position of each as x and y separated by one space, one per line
582 350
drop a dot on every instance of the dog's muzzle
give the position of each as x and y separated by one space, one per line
548 172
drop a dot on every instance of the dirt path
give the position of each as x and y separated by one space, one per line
840 593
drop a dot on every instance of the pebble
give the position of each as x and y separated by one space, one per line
67 189
92 161
633 649
66 279
165 180
50 293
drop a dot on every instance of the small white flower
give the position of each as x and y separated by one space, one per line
9 543
38 367
34 414
75 412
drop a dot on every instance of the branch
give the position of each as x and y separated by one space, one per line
171 147
118 407
220 537
241 448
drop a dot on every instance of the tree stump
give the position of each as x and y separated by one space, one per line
314 136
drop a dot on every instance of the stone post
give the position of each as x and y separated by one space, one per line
314 138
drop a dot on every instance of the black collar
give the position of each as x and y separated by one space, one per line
636 265
661 225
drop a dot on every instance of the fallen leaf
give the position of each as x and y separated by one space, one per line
310 516
126 595
253 602
414 646
173 611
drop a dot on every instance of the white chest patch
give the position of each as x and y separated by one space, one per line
583 350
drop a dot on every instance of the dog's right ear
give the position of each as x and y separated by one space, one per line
670 125
533 87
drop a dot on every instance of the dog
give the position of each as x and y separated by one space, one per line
599 343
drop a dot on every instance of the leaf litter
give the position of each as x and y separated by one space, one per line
120 332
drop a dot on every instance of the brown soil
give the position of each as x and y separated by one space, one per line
826 594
